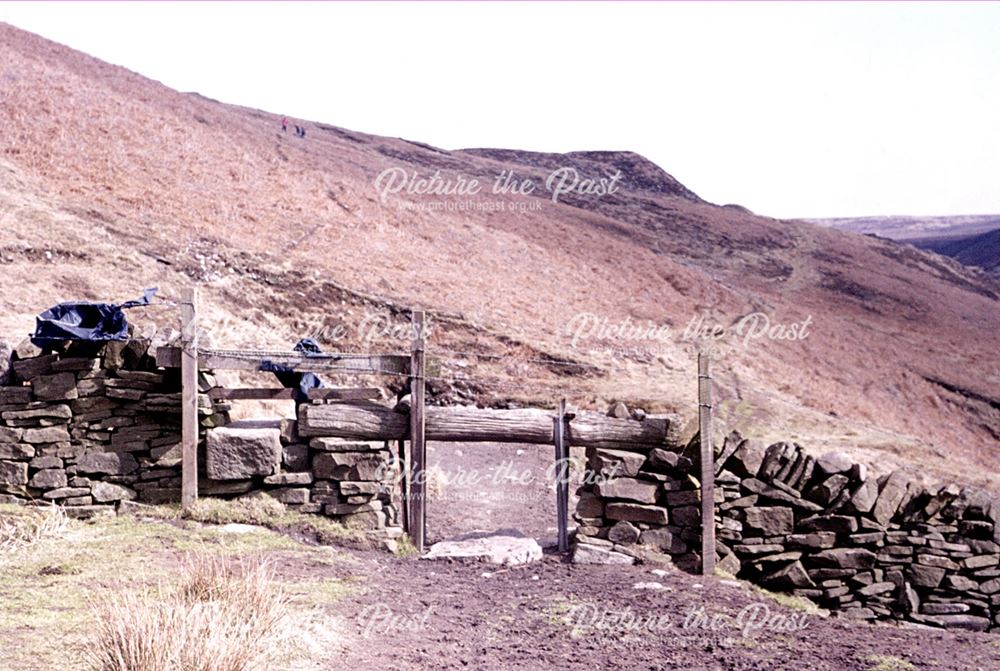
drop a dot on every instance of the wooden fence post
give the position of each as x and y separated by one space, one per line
562 476
707 465
189 397
404 471
418 449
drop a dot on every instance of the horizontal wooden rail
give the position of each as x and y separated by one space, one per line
374 421
208 359
322 394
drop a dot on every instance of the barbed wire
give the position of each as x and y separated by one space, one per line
480 355
261 353
158 304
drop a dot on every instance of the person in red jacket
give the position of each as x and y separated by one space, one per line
284 124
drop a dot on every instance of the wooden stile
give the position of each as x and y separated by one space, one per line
352 413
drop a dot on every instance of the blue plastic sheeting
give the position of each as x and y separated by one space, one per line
86 321
301 382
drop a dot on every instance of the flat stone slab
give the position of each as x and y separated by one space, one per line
508 547
585 553
241 453
236 528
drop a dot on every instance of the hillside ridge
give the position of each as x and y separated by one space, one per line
113 182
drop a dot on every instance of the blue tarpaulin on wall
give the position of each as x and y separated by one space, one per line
301 382
86 321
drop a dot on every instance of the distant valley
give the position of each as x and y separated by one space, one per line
972 240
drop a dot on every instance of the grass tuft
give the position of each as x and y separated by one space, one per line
271 513
261 510
21 526
791 601
889 663
405 547
224 616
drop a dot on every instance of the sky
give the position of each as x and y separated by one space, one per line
790 109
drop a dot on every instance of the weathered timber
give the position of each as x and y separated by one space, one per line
707 465
374 421
562 476
362 393
189 397
209 359
418 443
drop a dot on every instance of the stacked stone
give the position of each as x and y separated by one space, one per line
90 426
868 547
87 428
637 506
353 482
211 412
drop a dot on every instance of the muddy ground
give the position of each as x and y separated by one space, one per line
418 614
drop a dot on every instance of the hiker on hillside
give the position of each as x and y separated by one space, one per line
284 124
298 131
302 132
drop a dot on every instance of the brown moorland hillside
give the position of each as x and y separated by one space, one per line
110 182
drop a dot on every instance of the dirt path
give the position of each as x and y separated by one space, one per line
418 614
487 486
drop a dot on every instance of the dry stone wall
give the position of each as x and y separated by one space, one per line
822 528
638 505
353 482
88 427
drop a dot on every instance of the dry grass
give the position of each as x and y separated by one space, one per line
889 663
47 591
224 616
267 512
791 601
22 526
262 510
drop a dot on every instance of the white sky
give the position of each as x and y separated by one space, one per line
789 109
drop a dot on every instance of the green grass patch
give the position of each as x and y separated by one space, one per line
320 593
405 547
889 663
266 512
790 601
